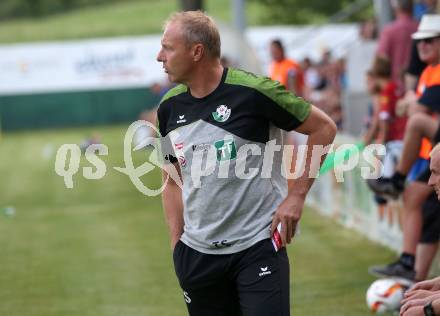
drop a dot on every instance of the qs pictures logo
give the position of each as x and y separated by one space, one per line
68 158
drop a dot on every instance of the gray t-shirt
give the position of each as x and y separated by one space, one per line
232 185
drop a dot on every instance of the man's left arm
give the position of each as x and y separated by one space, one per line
321 131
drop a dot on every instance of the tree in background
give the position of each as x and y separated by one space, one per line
191 5
24 8
274 12
307 11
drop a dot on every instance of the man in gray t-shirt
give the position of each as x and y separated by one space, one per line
225 127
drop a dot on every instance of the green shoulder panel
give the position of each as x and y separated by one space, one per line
272 89
158 127
173 92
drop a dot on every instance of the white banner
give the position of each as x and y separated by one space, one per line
80 65
122 62
127 62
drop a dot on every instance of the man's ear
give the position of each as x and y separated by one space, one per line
198 51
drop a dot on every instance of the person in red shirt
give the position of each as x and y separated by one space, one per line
391 126
395 39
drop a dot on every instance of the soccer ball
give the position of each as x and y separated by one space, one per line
384 296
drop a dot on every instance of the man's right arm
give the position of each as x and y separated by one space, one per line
172 193
173 207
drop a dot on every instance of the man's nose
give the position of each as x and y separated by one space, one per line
431 180
159 56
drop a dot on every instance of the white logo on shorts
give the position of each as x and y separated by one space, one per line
187 299
264 271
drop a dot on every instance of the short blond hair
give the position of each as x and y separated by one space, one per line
198 27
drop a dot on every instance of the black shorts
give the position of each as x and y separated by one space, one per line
380 200
252 282
431 220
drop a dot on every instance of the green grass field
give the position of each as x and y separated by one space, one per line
102 248
135 17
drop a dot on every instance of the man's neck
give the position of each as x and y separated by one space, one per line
205 79
280 59
434 62
401 15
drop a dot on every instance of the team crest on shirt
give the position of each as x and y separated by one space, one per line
222 113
